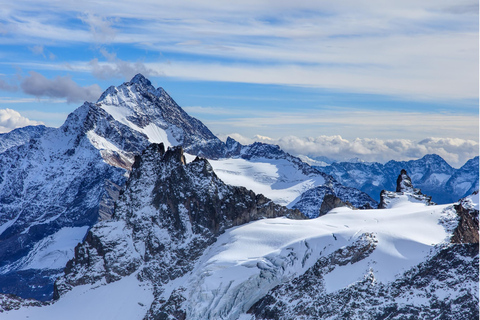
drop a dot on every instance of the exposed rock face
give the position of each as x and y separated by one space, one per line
467 229
168 214
330 202
430 173
404 189
311 200
404 183
444 287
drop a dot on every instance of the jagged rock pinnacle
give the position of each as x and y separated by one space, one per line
404 183
404 187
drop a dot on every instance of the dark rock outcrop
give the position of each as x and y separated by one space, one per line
404 188
467 229
330 202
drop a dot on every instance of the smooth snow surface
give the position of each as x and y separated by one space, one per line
276 179
127 299
249 260
53 252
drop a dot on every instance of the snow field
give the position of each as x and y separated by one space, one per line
126 299
276 179
249 260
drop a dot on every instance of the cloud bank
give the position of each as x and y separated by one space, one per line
11 119
454 151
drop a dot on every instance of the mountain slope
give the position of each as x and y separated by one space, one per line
169 213
20 136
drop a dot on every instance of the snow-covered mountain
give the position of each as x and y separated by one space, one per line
20 136
433 175
184 245
287 180
56 183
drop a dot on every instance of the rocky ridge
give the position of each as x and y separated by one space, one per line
168 214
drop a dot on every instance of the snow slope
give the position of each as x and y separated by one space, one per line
277 179
126 299
287 180
247 261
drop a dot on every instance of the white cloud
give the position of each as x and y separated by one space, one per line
59 87
11 119
454 151
100 27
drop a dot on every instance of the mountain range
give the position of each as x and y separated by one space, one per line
56 183
431 174
132 209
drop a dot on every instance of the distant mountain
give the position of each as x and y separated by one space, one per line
433 175
287 180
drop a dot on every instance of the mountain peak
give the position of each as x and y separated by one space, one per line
140 79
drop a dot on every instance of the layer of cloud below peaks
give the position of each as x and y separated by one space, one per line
455 151
11 119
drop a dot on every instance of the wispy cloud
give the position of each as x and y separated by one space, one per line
422 49
117 68
11 119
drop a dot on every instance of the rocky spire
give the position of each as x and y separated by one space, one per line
404 183
404 188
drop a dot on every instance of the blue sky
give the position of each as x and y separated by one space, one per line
370 79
